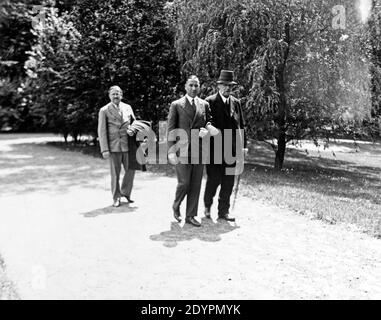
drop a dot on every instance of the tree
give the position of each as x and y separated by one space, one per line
80 54
129 43
374 47
291 58
16 40
50 87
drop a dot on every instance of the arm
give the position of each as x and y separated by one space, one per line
242 124
208 113
173 118
102 131
132 115
131 132
209 121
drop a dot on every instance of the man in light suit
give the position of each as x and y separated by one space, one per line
113 122
189 120
228 118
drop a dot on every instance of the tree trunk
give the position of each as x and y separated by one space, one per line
281 151
282 107
65 135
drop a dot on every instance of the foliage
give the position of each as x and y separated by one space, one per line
79 51
374 48
50 86
16 40
299 75
128 43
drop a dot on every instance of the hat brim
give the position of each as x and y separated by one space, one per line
227 82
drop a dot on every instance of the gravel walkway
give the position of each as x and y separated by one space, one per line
60 239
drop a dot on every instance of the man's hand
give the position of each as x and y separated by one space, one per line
172 158
130 132
106 155
212 130
203 132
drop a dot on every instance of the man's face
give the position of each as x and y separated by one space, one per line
116 96
225 89
192 87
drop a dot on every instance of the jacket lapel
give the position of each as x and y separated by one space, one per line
222 104
236 114
233 110
198 113
187 108
112 110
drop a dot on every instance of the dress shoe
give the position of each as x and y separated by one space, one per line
226 217
192 221
116 203
176 215
207 213
129 200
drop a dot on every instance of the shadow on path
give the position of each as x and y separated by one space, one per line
36 167
124 208
209 232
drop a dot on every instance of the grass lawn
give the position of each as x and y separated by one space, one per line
340 184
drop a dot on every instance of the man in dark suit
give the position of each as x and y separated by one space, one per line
189 121
221 171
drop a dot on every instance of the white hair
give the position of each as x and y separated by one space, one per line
114 88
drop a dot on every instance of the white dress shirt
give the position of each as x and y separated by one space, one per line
224 99
190 99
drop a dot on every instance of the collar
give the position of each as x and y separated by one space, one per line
116 107
190 99
224 99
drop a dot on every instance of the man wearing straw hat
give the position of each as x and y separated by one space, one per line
227 116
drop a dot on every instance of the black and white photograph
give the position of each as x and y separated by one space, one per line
190 150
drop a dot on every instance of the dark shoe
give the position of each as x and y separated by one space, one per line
226 217
176 215
129 200
207 213
192 221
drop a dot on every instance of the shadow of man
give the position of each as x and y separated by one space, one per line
124 208
209 232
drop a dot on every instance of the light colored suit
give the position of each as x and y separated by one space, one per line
113 138
112 127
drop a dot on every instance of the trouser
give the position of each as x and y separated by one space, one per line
189 177
216 176
116 161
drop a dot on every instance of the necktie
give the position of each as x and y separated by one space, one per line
193 107
118 109
227 106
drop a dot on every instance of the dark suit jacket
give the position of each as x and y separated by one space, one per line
134 154
223 119
181 117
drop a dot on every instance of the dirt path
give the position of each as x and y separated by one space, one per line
61 240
